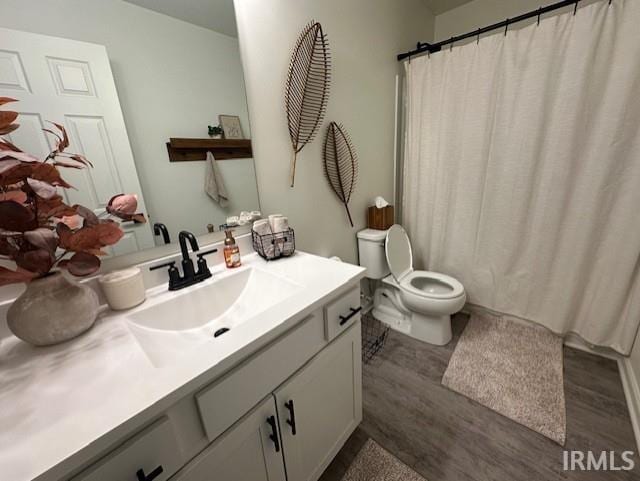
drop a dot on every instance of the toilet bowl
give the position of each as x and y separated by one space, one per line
421 309
417 303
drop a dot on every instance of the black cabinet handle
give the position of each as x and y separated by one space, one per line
151 476
354 311
292 416
274 432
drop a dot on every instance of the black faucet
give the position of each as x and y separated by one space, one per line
189 275
187 264
160 228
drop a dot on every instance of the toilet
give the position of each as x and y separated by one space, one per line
416 303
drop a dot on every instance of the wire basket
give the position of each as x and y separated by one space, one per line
374 335
274 246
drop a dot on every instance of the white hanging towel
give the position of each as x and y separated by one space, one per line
213 183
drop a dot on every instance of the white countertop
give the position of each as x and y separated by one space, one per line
56 403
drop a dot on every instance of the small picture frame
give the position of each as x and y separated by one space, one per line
231 126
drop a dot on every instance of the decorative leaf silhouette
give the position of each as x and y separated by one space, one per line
53 208
90 238
39 261
16 217
14 195
7 276
42 238
7 117
90 218
82 264
340 164
307 89
31 208
44 190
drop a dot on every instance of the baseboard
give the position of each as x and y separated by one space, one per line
632 394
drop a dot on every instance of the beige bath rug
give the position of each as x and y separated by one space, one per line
514 369
373 463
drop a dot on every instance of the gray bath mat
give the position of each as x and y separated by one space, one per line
513 369
373 463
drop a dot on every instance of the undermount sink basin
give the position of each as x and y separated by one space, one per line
168 328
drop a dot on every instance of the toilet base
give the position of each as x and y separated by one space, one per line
434 330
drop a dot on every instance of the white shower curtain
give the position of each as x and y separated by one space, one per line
522 170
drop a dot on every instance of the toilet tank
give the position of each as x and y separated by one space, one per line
371 252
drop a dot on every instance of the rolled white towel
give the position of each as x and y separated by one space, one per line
262 227
246 218
279 223
233 220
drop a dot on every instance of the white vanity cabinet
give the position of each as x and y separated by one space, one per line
280 414
302 425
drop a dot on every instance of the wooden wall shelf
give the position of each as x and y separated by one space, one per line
184 150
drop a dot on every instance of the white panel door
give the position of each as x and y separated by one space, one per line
246 452
71 83
320 406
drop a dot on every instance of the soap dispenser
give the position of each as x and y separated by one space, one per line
231 250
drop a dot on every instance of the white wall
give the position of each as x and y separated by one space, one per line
173 79
364 36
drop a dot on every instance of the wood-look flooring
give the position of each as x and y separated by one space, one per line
445 436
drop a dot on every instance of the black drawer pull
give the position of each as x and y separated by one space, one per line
292 416
354 311
151 476
274 432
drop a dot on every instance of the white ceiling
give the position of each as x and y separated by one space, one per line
217 15
440 6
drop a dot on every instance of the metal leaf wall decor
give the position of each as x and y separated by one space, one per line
307 90
340 164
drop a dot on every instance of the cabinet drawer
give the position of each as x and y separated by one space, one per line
342 313
225 401
154 448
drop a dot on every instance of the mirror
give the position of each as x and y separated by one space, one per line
137 84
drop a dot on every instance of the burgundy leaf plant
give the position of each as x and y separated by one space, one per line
39 232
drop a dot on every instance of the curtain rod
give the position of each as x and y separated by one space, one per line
436 47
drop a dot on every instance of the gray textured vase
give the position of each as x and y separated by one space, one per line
53 309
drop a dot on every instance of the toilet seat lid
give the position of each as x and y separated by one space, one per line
398 251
